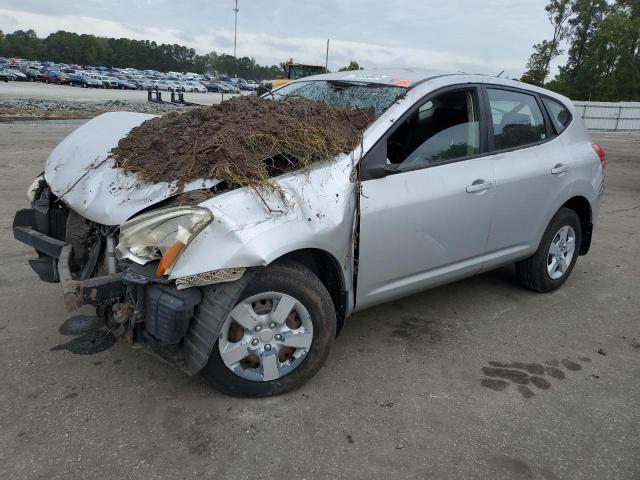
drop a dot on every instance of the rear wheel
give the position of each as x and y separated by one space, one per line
548 268
276 337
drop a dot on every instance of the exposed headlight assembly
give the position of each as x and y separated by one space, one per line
161 234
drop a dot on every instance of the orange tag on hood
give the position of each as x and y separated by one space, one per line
402 83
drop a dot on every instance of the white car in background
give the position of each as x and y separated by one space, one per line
193 86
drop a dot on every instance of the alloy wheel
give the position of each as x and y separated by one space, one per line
266 336
561 251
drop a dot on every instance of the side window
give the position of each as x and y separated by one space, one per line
517 119
443 128
560 116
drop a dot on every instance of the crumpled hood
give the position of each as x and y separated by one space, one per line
80 172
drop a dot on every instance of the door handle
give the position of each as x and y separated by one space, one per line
479 186
559 169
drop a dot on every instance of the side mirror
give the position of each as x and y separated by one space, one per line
375 163
381 171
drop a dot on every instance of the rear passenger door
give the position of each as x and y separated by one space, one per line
531 172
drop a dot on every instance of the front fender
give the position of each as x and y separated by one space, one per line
255 228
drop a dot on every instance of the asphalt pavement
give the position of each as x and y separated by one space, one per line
408 392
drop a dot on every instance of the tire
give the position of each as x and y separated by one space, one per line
290 280
534 272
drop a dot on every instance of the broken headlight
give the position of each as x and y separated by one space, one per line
161 234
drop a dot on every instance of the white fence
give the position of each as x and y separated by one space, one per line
609 116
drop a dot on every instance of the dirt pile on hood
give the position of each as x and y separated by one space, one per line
245 141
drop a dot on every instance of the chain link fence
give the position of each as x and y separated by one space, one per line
610 116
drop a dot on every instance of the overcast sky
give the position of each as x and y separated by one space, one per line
475 36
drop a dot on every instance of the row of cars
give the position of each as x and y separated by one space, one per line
125 79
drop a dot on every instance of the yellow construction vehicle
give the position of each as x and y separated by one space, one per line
294 71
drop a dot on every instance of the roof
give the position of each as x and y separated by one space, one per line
404 77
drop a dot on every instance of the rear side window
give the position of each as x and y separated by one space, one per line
517 119
560 116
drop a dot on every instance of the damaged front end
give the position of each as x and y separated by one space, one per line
131 299
144 253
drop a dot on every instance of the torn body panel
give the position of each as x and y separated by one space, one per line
315 210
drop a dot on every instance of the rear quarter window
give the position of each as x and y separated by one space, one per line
559 114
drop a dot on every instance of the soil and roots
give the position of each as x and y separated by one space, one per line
245 141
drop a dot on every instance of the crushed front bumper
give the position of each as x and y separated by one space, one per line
52 264
90 291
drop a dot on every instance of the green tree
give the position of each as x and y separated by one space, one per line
603 40
539 64
587 16
353 65
23 44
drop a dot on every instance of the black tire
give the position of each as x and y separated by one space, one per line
296 280
532 272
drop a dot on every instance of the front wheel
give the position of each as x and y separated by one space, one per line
548 268
276 337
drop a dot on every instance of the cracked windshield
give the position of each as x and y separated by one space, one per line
343 94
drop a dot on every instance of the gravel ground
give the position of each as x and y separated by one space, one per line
405 392
11 108
37 100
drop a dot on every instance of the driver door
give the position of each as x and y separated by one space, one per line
427 220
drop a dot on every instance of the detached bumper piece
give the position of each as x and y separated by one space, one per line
91 291
28 226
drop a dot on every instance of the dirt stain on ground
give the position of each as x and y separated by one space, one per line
521 374
79 324
494 384
512 375
416 328
95 341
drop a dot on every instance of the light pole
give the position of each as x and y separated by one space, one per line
235 31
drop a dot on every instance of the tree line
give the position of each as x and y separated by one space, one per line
72 48
602 41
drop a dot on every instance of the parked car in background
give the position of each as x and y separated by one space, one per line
15 73
218 87
231 86
55 76
126 84
6 75
251 85
33 74
143 84
193 86
109 81
85 80
165 85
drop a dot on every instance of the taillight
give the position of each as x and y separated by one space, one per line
600 152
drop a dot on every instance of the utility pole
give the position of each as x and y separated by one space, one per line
326 62
235 31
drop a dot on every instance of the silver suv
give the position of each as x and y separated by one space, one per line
458 174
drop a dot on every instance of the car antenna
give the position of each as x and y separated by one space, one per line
498 76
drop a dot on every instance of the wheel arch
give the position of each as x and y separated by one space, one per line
581 206
327 268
